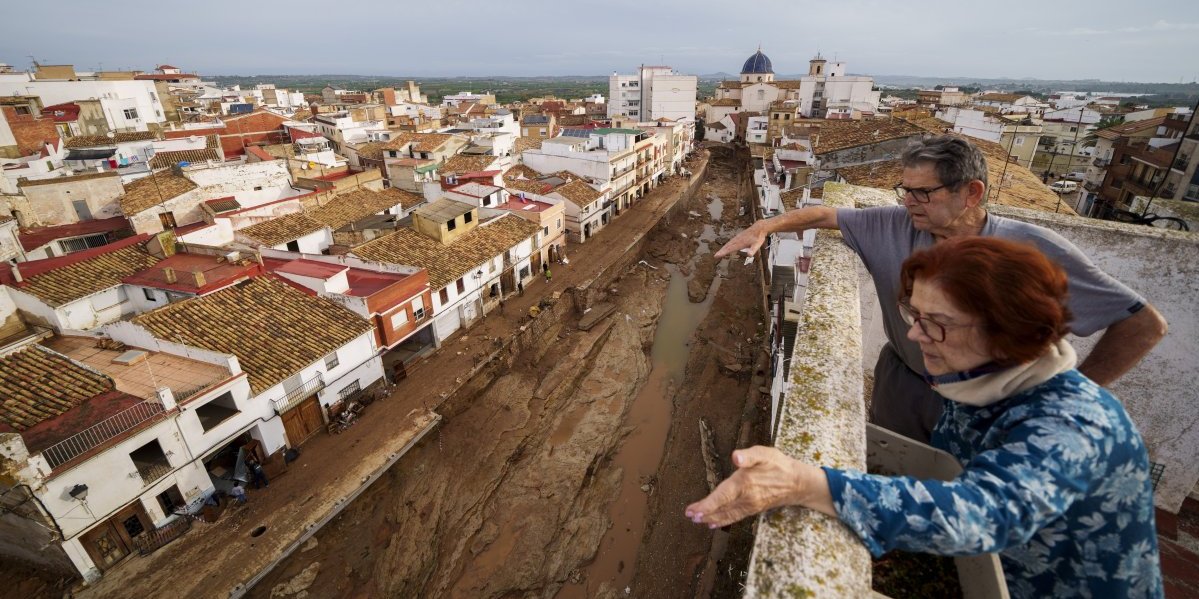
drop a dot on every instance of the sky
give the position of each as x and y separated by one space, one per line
1149 40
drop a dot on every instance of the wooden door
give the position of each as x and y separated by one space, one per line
104 545
303 421
536 263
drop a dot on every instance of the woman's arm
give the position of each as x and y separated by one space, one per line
1003 497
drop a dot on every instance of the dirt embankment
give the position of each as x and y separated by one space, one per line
508 497
516 492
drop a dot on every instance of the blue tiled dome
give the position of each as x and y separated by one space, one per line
757 64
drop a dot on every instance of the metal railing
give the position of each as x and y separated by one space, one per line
1101 162
99 433
150 541
152 471
295 396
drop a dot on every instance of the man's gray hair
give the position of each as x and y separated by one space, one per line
957 161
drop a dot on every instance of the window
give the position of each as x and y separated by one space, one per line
559 224
418 309
466 218
149 294
217 411
460 285
399 319
331 361
131 113
541 131
349 390
444 294
546 231
1020 141
21 110
452 224
524 272
491 266
78 244
171 500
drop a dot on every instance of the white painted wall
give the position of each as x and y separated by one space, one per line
114 97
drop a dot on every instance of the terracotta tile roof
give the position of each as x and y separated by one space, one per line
78 280
1123 129
148 192
931 124
447 263
274 329
730 84
1005 98
429 142
356 205
400 141
282 229
371 150
517 171
92 141
301 115
788 84
884 174
726 102
526 143
210 152
840 135
529 184
463 163
166 159
578 192
5 218
37 384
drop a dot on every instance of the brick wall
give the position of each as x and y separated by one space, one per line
31 133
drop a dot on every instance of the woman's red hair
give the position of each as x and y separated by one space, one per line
1017 292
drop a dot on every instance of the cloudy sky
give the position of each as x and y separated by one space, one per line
1148 40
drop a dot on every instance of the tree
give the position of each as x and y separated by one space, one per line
699 129
1108 121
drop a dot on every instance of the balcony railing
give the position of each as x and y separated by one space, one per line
99 433
1181 163
152 471
148 543
1101 162
295 396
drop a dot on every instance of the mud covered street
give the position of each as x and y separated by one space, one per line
563 471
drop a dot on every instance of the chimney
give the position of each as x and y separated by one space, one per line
199 277
168 273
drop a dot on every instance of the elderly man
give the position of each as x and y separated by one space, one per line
944 192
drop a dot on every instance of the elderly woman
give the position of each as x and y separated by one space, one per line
1055 473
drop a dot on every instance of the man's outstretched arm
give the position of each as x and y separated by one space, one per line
1123 345
795 221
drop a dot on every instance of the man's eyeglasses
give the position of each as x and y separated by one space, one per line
920 194
932 329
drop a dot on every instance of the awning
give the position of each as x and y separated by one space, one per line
91 154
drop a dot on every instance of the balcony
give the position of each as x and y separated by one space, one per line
819 416
1180 164
150 472
293 397
1101 162
100 433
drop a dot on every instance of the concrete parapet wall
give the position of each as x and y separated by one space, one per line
798 552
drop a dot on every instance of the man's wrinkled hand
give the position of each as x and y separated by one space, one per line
765 479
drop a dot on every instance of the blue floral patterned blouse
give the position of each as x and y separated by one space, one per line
1056 480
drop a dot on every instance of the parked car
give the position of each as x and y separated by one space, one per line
1064 186
1076 176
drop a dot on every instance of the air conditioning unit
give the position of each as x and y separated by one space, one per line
232 257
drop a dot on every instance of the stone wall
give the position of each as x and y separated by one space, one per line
799 552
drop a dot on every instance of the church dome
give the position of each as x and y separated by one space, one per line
757 64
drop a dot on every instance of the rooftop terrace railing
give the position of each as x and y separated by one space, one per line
101 432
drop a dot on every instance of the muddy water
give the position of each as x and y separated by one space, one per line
649 418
